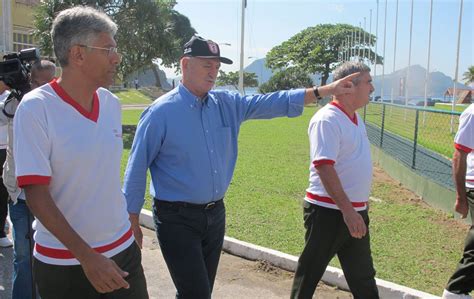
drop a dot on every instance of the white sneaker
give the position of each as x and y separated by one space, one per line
5 242
448 295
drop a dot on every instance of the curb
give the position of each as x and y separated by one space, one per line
333 276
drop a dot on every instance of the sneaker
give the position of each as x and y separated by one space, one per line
5 242
448 295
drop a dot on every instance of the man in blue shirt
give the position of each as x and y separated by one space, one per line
188 140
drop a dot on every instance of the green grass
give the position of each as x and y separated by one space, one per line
412 244
434 129
131 117
447 107
133 97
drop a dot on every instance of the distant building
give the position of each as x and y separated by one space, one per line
463 96
16 25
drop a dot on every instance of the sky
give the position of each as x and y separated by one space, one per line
268 23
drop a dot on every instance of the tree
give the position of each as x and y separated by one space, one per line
232 78
148 30
292 77
468 76
317 49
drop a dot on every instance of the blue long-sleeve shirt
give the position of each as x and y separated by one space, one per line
190 145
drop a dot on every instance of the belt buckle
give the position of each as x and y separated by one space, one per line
209 205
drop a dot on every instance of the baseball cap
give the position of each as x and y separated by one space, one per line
203 48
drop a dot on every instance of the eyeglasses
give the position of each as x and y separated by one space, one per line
110 51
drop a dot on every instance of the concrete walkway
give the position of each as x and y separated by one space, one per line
236 277
135 106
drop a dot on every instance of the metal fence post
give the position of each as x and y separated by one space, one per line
365 112
382 125
415 139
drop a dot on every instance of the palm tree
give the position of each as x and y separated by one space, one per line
468 76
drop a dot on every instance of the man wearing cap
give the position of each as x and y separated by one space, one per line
188 140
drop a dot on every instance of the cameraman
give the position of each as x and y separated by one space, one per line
4 241
41 73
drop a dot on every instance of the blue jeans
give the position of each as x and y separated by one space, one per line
22 219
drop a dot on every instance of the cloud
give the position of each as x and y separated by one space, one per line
339 8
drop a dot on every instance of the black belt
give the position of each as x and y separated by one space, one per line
205 206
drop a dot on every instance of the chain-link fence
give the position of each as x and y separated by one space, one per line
422 139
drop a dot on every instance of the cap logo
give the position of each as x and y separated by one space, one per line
213 47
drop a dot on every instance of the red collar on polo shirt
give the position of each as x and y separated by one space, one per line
93 115
353 119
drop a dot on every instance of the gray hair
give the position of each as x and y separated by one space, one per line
350 67
78 25
43 65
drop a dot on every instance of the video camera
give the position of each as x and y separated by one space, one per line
15 69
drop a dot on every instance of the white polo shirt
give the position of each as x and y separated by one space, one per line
77 154
339 140
464 141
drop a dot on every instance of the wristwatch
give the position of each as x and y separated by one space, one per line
316 93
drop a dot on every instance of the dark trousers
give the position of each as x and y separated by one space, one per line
326 236
3 196
462 281
59 282
191 240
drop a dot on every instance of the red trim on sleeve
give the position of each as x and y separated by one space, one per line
317 163
353 119
462 148
330 201
92 115
26 180
66 254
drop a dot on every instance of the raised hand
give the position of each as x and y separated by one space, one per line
344 85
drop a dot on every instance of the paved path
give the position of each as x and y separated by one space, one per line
135 106
236 277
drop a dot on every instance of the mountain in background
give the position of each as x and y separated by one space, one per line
147 78
438 83
258 67
264 74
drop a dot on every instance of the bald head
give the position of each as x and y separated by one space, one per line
42 72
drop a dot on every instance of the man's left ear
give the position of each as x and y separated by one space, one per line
76 55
